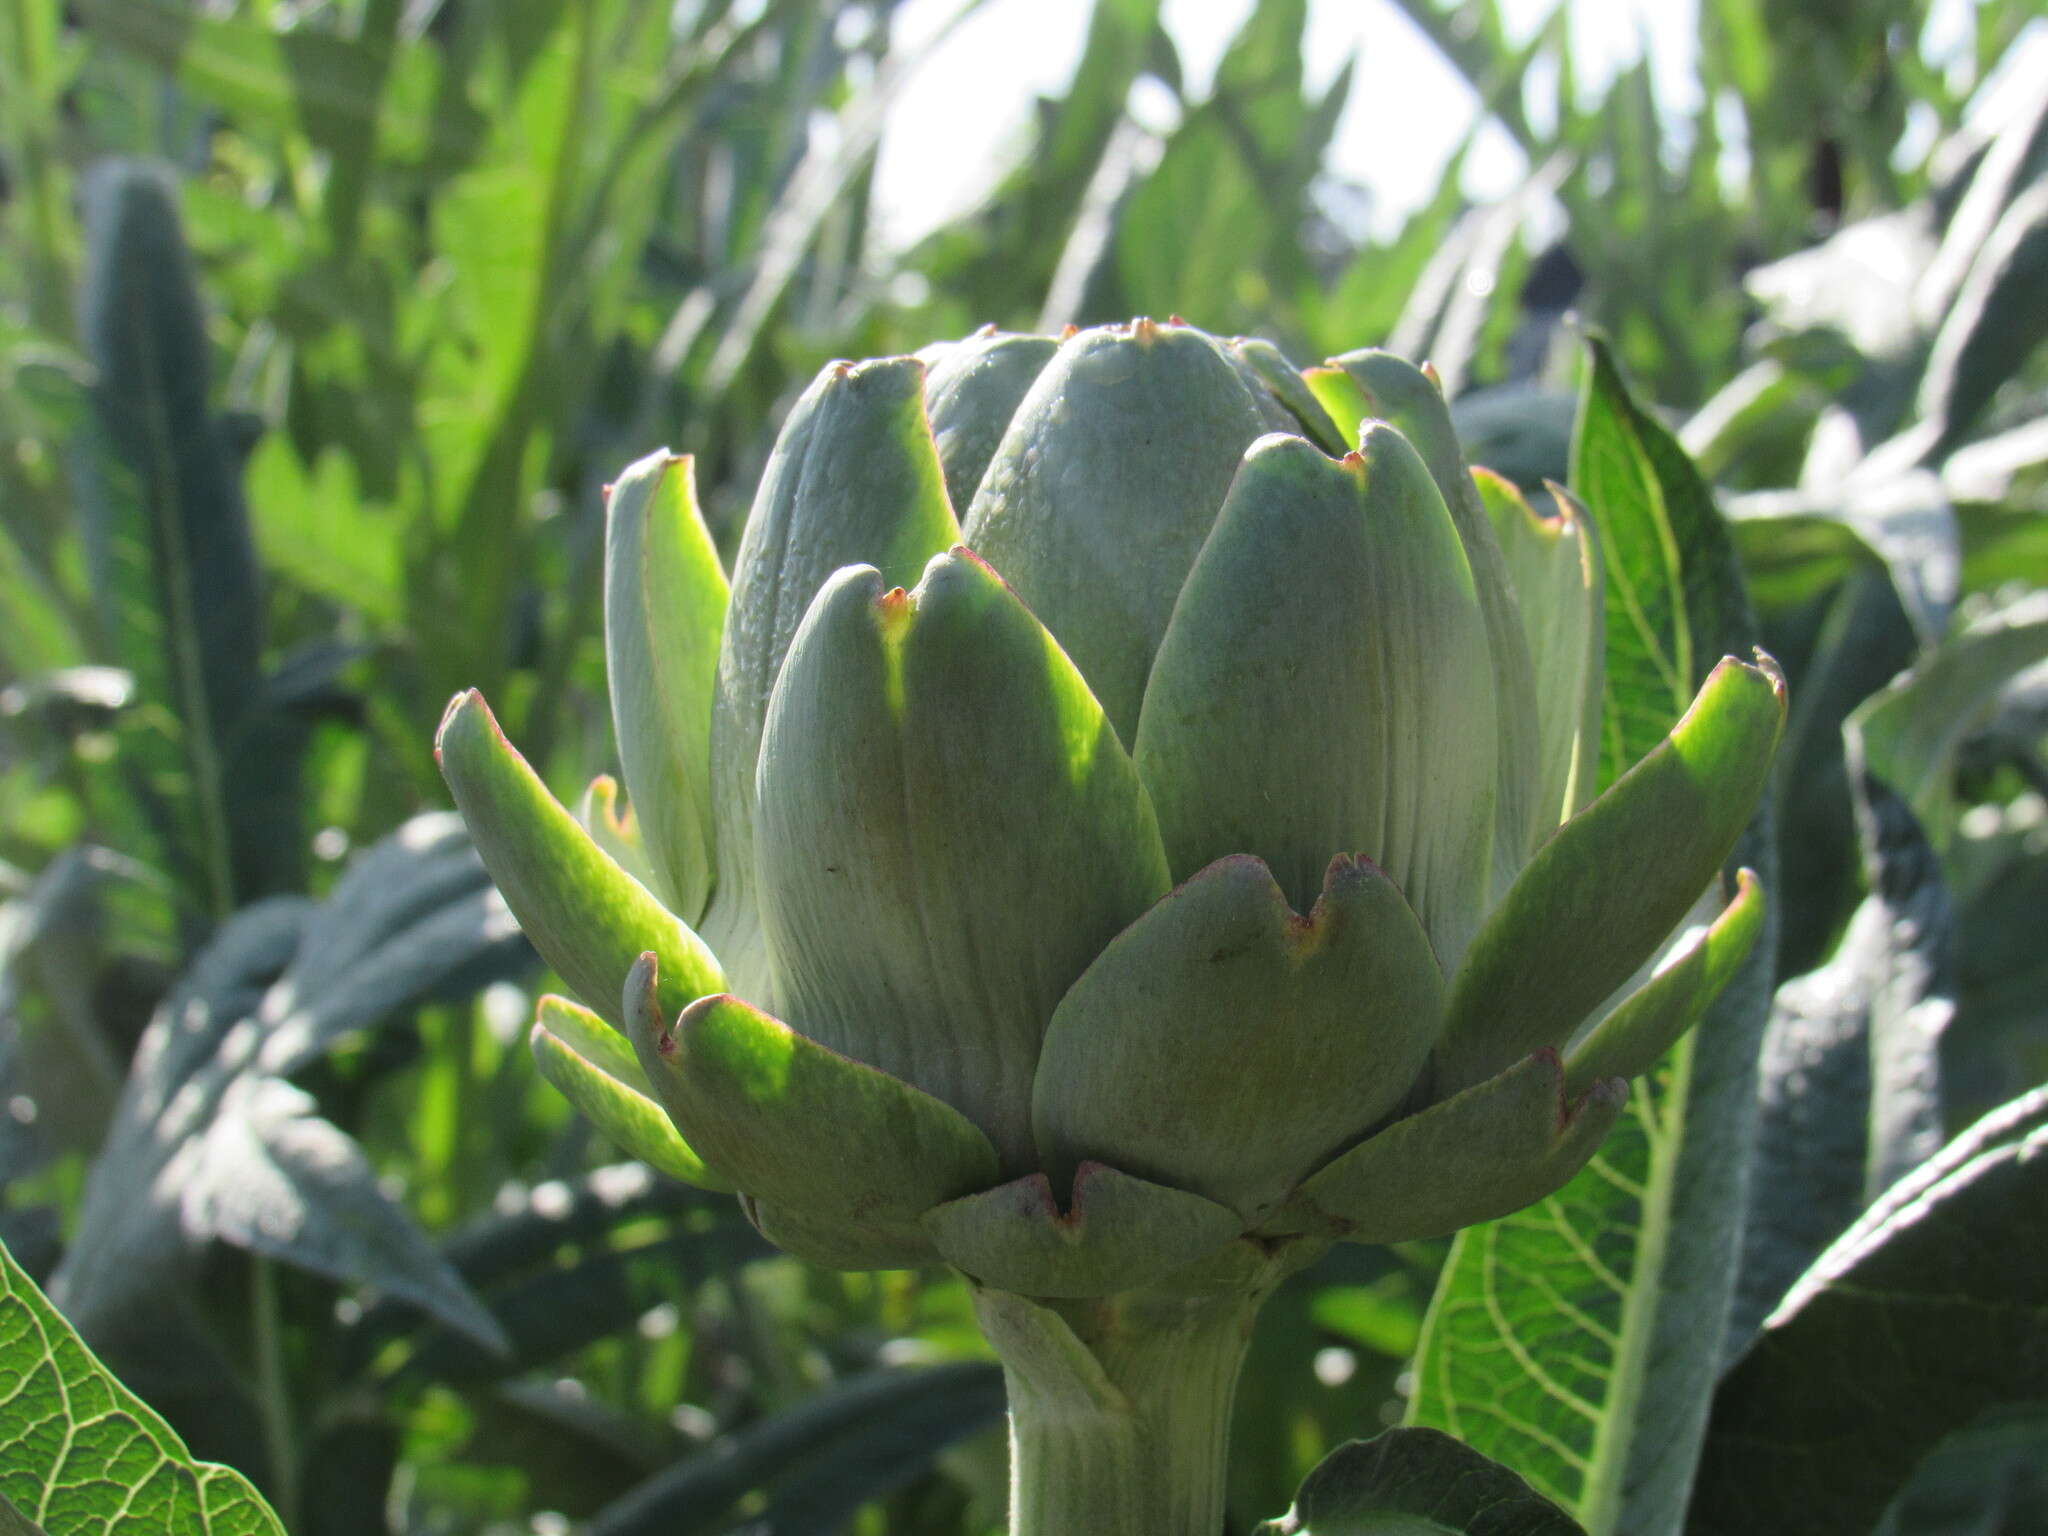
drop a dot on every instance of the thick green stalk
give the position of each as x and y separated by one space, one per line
1119 1408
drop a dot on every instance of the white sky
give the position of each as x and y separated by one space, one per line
963 115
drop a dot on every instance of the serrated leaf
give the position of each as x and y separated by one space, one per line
1918 1318
80 1452
1667 550
1576 1341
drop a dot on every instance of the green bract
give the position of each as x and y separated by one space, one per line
1123 835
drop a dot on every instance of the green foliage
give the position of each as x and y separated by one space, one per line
1811 1427
1570 1340
81 1452
321 327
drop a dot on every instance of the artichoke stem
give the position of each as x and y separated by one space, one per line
1119 1408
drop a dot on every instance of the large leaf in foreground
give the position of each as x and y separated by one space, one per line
1577 1341
1928 1311
80 1452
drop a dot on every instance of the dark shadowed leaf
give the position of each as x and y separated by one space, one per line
210 1143
565 1264
821 1459
1912 730
1997 320
1990 1479
173 568
1849 1089
1928 1311
1419 1481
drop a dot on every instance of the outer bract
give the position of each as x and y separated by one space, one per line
1143 847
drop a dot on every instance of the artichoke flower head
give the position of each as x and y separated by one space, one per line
1136 799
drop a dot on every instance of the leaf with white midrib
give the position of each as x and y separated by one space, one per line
1576 1341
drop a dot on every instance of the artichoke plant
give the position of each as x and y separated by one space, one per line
1129 824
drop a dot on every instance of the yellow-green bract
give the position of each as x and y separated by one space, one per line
1131 800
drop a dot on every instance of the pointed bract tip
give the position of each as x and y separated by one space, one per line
960 554
1569 512
1428 371
1069 331
904 372
1352 866
1143 330
467 698
641 996
894 610
1176 320
986 331
1344 871
1600 1092
1764 665
1767 664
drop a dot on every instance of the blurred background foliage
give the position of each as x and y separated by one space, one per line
322 325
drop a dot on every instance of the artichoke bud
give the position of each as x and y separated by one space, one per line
1267 369
613 827
1198 864
586 914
